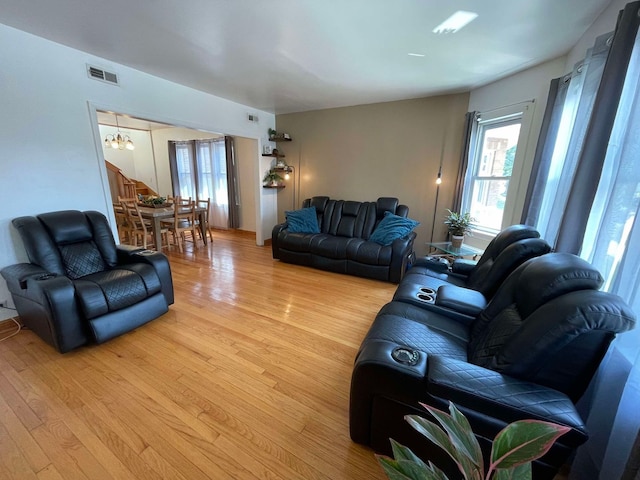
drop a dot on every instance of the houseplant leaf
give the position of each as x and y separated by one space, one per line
439 437
460 433
523 441
408 470
521 472
400 452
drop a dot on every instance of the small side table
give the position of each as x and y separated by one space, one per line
457 252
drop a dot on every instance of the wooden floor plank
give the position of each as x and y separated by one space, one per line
246 377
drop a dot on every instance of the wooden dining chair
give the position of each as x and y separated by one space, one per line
206 228
182 222
141 229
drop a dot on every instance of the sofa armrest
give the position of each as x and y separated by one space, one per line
275 248
401 255
499 396
463 267
460 299
157 260
46 304
376 373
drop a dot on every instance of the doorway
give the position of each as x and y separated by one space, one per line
148 162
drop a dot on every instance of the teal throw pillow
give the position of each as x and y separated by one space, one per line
392 227
304 220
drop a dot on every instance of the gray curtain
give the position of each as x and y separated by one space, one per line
596 141
173 166
232 184
561 144
470 126
600 221
544 149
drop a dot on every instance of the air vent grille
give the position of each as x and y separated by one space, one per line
102 75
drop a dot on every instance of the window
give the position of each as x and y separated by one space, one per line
186 176
496 156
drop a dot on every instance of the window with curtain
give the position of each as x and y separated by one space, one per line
486 189
206 169
494 161
584 198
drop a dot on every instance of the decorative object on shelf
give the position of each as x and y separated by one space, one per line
512 451
458 225
118 140
266 150
153 201
278 137
272 179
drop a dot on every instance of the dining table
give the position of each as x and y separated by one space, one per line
156 215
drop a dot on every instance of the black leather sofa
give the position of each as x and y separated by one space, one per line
343 244
529 354
79 287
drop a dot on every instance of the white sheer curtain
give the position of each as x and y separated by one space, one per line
212 179
574 118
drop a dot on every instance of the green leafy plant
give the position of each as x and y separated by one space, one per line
272 177
153 200
458 223
513 450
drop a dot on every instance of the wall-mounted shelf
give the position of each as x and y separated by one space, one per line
273 186
279 138
277 155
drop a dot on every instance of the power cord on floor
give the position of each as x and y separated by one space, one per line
14 321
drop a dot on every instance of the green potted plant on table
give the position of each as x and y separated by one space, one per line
513 450
458 225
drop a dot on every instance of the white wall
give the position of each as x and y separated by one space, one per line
247 179
52 157
606 22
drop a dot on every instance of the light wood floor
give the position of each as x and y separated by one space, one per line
246 377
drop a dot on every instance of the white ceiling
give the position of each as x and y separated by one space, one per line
294 55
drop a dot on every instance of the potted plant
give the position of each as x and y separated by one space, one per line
458 225
272 178
512 452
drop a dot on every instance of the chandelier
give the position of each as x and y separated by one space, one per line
118 140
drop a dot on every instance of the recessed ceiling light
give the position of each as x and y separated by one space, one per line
455 22
415 54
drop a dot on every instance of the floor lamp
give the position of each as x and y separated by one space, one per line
290 169
435 208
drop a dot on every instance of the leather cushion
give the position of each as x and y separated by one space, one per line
80 259
370 253
111 290
296 242
329 246
510 399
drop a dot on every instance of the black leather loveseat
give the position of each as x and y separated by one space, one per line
528 354
342 244
79 287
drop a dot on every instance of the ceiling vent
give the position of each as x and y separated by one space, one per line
102 75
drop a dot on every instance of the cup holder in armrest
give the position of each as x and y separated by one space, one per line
405 356
426 294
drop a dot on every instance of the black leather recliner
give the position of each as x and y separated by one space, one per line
79 287
506 251
529 354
